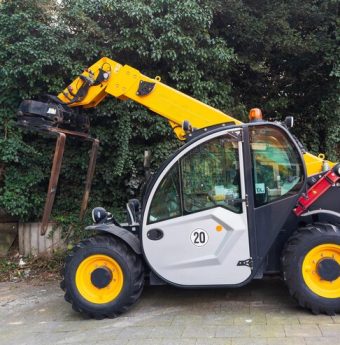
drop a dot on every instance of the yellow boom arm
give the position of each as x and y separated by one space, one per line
126 82
108 77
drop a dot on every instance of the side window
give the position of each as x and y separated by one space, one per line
276 164
211 176
166 201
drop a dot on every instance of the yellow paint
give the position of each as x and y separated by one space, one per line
314 282
314 163
90 292
172 104
175 106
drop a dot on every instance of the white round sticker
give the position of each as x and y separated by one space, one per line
199 237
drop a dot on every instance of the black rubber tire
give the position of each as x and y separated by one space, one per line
130 263
297 247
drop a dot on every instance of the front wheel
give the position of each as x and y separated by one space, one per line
311 267
103 277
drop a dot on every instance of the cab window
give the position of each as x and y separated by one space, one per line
166 201
211 176
276 165
208 176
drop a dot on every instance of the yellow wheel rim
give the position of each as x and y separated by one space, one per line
321 287
84 283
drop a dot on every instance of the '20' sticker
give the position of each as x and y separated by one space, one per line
199 237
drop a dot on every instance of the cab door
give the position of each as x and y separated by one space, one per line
195 230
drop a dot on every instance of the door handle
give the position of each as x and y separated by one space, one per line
155 234
237 201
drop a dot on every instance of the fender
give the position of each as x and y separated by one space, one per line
125 235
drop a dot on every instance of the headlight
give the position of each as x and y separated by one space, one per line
99 214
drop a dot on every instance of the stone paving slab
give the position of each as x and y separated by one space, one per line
261 313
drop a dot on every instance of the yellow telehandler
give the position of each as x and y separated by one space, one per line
235 202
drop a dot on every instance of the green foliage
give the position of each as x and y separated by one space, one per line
234 55
287 63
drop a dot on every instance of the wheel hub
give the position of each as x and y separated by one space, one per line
328 269
321 270
101 277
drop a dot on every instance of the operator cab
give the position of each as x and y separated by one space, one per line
219 204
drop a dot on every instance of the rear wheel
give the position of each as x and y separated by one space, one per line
103 277
311 267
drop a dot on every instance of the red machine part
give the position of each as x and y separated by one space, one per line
317 190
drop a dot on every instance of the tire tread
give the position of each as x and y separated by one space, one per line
288 263
133 260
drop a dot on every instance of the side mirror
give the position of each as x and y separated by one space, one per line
289 121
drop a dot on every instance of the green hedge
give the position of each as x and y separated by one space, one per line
280 56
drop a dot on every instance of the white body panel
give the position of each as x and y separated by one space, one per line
178 260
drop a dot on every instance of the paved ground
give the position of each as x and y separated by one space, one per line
261 313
